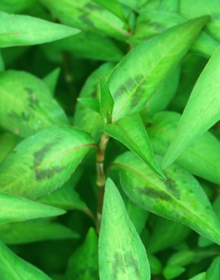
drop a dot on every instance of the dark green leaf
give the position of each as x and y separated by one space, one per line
87 16
173 271
155 265
83 264
135 80
180 198
27 232
90 103
51 80
202 158
2 64
15 6
106 102
20 30
26 104
13 267
13 208
121 252
131 132
201 112
90 45
43 162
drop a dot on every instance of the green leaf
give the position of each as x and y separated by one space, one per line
114 6
106 102
26 104
173 271
165 234
121 252
15 6
159 101
2 64
201 159
155 265
182 258
43 162
135 80
90 103
131 132
13 208
180 198
81 267
27 232
201 112
213 273
90 45
51 80
7 143
200 276
13 267
20 30
87 16
169 5
85 118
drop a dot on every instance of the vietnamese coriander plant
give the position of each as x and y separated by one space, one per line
109 139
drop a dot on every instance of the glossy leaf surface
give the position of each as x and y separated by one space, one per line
201 112
138 75
121 252
13 208
13 267
131 132
43 162
26 105
81 267
180 198
21 30
27 232
202 158
87 16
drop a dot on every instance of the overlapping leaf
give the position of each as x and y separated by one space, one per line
201 112
13 208
26 105
200 276
180 198
13 267
138 75
201 159
20 30
51 80
88 16
131 132
81 267
7 143
121 252
43 162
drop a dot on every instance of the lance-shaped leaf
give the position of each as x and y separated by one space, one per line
13 267
106 102
87 16
90 103
138 75
26 105
213 273
200 276
202 158
51 80
180 198
121 252
201 112
20 30
27 232
81 267
131 132
13 208
43 162
173 271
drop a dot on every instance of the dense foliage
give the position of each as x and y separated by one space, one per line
107 168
